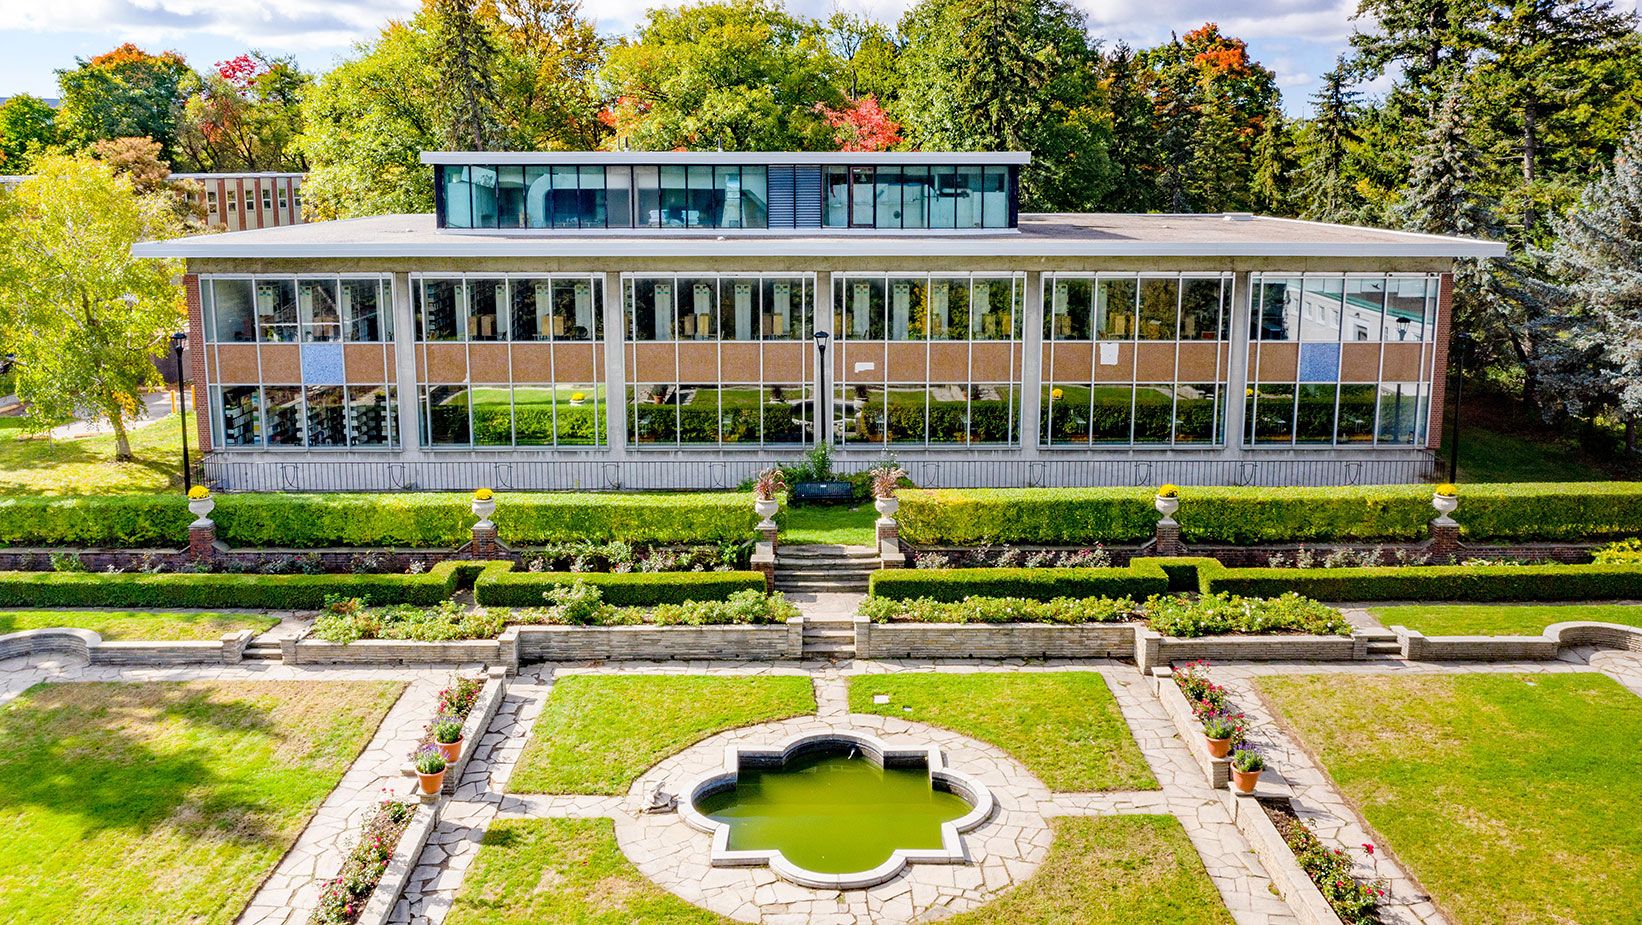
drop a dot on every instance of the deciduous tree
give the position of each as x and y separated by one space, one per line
27 127
126 93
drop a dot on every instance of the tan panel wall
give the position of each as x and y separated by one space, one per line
1199 362
1156 362
907 362
654 363
698 362
1360 362
488 362
281 363
446 363
949 362
1279 362
991 362
364 363
532 362
740 362
862 351
785 362
1122 370
573 363
1402 363
1072 362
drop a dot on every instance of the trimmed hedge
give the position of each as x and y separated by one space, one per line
508 588
1147 576
269 592
1140 580
1517 512
416 519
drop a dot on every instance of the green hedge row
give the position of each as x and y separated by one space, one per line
1157 576
1519 512
508 588
418 519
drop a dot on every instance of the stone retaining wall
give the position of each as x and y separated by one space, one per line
379 908
1273 853
229 650
474 726
598 643
994 640
309 651
1153 649
1217 771
1417 646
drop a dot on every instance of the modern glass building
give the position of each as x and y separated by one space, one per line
681 320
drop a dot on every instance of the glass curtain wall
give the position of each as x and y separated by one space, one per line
598 196
719 360
1340 359
316 417
927 360
966 196
509 360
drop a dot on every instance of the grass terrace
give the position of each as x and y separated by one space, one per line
1065 726
1468 776
844 525
158 802
39 466
598 733
1500 620
124 625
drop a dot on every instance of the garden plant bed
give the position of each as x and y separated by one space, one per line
1463 776
1065 726
202 786
598 733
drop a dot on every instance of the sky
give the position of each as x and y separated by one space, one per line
1297 39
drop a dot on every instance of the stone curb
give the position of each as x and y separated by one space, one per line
1217 771
473 729
379 908
1296 887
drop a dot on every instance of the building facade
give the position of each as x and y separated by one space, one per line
681 320
248 201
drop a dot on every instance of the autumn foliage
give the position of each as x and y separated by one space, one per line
861 125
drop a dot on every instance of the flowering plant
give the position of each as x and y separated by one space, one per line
199 493
1447 490
483 494
458 698
447 729
343 898
885 479
429 760
1248 760
1168 491
770 483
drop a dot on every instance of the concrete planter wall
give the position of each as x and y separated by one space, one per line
229 650
1419 647
585 643
309 651
1153 650
994 640
379 908
473 728
1217 771
1302 896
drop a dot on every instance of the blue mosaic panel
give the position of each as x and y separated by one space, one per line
322 364
1319 362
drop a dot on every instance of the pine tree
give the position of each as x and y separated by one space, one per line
1273 168
1441 197
1178 115
466 65
1134 133
1327 189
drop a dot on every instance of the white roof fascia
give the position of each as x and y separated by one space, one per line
726 158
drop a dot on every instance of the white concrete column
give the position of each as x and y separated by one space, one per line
1031 372
404 367
822 381
1238 374
615 366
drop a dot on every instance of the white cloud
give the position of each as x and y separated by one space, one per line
272 24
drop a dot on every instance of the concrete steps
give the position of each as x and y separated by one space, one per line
829 638
822 568
263 652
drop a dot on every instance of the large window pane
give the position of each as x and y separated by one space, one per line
1159 308
538 197
575 312
579 410
1399 413
445 415
241 412
1199 309
1320 311
510 196
697 414
1278 310
916 196
991 309
969 198
492 414
944 211
1356 419
283 413
1070 302
860 412
618 186
948 413
1273 417
1115 309
726 201
1405 309
705 203
755 197
647 187
370 411
532 415
994 409
904 418
655 413
1154 413
327 418
949 314
365 315
1364 304
741 412
652 313
1111 413
675 197
739 316
908 309
995 197
697 309
787 414
276 311
532 304
317 310
837 214
888 197
1066 419
566 199
862 206
231 306
1196 413
1314 417
785 308
591 199
442 313
458 197
864 309
487 316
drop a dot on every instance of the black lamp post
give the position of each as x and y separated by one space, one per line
179 340
821 403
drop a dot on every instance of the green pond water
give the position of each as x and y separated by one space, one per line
833 814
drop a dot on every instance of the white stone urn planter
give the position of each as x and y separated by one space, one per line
202 508
483 510
1445 505
887 507
766 509
1166 507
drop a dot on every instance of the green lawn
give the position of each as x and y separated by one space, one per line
597 733
1495 456
848 525
86 466
1065 725
1511 797
1500 620
166 802
1111 870
113 625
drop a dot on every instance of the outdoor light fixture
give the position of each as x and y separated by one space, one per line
820 403
179 340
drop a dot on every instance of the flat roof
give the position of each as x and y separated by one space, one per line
727 158
1039 235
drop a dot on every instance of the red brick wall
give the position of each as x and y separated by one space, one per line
1439 362
196 361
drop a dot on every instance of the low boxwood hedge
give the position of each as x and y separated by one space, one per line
266 592
510 588
1148 576
1519 512
416 519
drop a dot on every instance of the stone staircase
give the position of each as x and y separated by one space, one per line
829 637
1382 643
263 652
819 569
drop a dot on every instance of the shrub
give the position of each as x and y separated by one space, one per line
1436 582
1354 902
444 621
640 589
1139 580
1621 552
1064 516
459 697
1001 610
268 592
1216 614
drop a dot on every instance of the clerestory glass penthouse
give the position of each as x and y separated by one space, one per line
683 319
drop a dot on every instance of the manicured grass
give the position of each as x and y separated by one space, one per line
597 734
1503 620
1065 725
849 525
86 466
1111 870
564 871
1498 456
166 802
112 625
1511 797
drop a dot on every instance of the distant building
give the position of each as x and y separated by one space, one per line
248 201
682 319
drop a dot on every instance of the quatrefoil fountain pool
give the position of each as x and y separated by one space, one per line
836 810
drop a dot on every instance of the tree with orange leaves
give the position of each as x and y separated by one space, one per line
124 93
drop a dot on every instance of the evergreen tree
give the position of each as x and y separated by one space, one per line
1327 188
466 62
1177 119
1441 197
1272 170
1134 132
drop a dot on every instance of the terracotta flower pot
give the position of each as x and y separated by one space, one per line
1245 780
451 750
431 783
1218 748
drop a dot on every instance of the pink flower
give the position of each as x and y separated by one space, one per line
1368 847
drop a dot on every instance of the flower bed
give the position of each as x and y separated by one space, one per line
511 588
343 898
1207 615
1355 902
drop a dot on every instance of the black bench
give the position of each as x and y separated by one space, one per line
821 492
